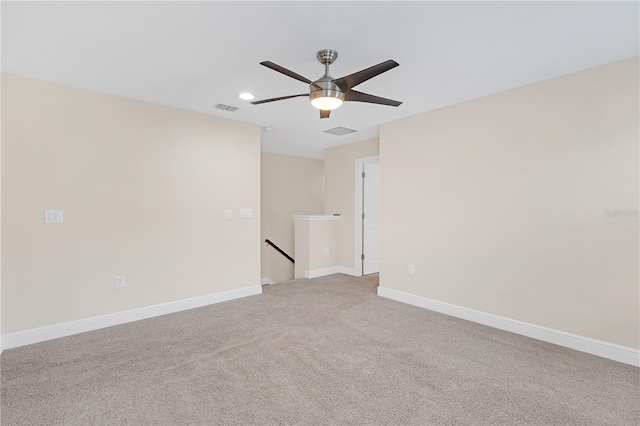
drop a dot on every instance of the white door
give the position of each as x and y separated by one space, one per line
371 219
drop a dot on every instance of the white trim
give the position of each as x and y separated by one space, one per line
357 242
266 281
348 271
315 273
561 338
41 334
317 217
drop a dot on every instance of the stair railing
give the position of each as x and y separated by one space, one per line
270 243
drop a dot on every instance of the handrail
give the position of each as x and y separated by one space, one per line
270 243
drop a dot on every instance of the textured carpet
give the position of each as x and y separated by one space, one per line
321 351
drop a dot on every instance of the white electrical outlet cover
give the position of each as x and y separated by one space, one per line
120 282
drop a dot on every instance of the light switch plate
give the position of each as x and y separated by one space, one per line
246 213
53 216
228 214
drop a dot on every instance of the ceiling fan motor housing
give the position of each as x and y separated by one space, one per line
325 88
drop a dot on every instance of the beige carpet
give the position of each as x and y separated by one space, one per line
322 351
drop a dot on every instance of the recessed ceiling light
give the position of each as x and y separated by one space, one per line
246 96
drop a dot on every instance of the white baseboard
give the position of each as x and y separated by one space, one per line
41 334
315 273
561 338
349 271
266 281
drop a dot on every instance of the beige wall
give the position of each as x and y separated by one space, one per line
302 252
0 217
339 196
144 190
499 203
325 238
289 186
317 245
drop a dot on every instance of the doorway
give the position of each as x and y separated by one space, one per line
367 226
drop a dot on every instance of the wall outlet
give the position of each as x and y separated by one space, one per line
410 269
120 281
228 214
326 250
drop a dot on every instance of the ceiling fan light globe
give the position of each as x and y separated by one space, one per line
326 103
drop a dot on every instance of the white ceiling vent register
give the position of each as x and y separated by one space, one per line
226 107
340 131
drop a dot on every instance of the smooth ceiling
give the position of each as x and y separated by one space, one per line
194 55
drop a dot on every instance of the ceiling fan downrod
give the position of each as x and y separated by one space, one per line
326 58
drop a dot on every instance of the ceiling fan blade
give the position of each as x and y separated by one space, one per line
352 80
285 71
355 96
324 113
264 101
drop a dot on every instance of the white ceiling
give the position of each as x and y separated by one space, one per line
194 55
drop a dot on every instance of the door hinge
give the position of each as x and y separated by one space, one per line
362 175
362 257
363 215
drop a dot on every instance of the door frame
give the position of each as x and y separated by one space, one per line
357 246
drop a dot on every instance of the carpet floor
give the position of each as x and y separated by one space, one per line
310 352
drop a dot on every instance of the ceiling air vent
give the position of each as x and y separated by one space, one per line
340 131
226 107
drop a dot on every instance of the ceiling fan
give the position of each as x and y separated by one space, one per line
328 93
